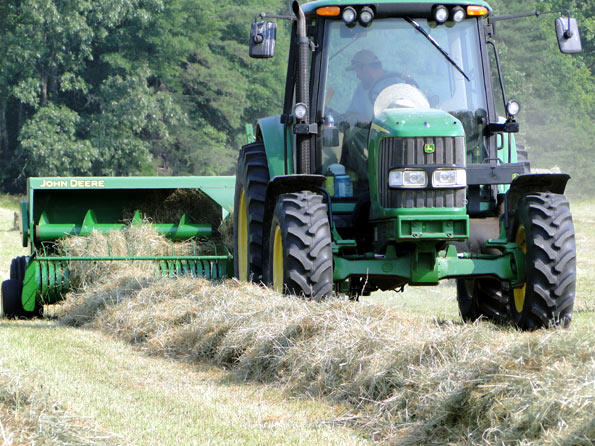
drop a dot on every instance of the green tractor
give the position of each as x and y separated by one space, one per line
390 166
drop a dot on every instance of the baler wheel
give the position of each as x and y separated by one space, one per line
482 298
252 177
17 268
11 299
544 230
300 257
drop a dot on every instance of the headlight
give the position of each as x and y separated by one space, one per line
458 14
513 108
441 14
407 178
349 15
300 111
449 178
366 16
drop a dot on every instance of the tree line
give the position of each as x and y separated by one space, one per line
164 87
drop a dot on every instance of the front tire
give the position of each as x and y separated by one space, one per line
252 178
544 230
482 298
300 257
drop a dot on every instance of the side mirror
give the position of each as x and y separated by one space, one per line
569 39
262 40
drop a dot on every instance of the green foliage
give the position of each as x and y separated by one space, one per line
122 87
556 90
50 144
133 118
165 87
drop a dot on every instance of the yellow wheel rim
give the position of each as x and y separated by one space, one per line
242 238
519 293
278 261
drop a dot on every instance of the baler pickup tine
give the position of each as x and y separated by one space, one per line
89 223
137 219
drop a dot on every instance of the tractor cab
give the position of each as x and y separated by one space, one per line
376 77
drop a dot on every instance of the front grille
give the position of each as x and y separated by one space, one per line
410 152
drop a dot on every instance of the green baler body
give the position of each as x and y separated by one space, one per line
58 207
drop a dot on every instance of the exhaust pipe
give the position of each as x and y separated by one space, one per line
303 89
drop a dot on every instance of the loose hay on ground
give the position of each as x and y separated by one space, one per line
409 380
28 418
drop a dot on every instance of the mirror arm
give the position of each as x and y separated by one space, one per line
528 14
264 15
493 20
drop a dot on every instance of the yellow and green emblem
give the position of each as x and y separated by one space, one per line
429 148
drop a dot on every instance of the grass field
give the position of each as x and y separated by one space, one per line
148 362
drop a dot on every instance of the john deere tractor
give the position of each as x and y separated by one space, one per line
390 166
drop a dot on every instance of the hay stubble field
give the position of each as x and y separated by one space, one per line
134 360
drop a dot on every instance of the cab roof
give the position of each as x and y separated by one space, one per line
407 6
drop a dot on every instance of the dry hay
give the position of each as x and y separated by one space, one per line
27 417
409 380
169 205
132 241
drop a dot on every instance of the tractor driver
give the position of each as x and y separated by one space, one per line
372 80
356 120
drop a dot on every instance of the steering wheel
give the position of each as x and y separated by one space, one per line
400 96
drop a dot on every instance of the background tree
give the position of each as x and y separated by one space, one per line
156 87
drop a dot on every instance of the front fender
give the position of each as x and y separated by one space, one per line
533 182
272 132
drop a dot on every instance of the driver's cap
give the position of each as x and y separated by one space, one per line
361 58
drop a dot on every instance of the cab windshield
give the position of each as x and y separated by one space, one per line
362 65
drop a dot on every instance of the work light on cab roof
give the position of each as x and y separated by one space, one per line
365 14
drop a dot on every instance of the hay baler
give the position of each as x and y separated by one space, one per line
189 209
390 165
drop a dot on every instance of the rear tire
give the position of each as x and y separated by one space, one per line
252 178
300 257
544 230
482 298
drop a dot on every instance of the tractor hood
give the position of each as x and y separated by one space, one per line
409 122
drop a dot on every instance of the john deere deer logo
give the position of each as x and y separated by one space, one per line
429 148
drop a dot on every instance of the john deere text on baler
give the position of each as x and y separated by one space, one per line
390 166
181 208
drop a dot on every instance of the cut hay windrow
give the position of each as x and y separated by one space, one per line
408 380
